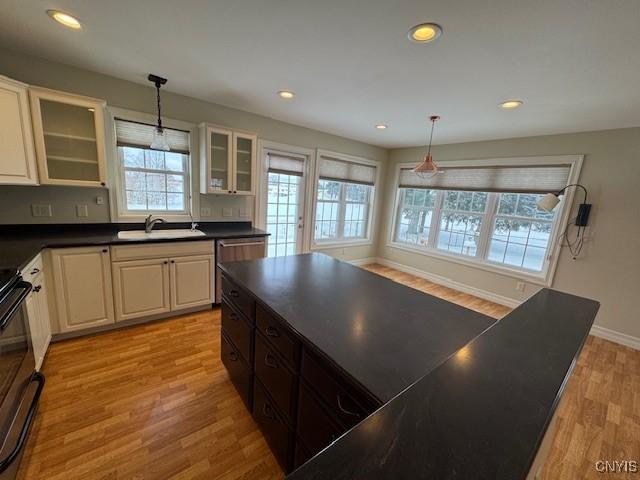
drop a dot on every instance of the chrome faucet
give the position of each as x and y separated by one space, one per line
149 224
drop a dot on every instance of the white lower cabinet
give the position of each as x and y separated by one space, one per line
141 288
38 311
82 284
192 281
181 276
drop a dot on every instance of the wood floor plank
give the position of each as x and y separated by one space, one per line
154 402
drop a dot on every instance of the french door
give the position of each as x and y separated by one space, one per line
284 187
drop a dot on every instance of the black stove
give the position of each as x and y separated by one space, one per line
8 278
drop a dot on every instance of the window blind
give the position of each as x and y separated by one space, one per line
346 171
513 179
289 165
139 135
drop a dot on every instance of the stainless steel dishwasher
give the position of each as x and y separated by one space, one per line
234 249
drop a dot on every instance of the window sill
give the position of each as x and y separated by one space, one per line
542 279
341 243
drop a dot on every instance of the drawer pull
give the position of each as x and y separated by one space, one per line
270 361
233 356
344 410
268 411
272 332
34 271
233 293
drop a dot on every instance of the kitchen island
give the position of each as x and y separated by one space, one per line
316 346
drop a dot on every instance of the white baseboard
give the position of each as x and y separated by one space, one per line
446 282
616 337
363 261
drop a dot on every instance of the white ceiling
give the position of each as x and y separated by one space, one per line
575 63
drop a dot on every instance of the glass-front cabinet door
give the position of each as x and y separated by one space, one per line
219 145
244 171
228 161
69 138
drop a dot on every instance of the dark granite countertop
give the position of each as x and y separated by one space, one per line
482 414
384 335
19 244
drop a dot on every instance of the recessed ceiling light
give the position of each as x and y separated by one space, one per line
510 104
65 19
381 126
425 32
286 94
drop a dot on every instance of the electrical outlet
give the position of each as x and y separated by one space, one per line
227 212
244 212
520 286
100 200
82 211
205 212
43 210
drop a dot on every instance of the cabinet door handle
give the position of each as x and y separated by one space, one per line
104 250
233 316
233 293
102 184
34 271
344 410
37 289
173 261
268 411
233 356
272 332
270 361
165 262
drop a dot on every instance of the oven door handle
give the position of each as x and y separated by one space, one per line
26 286
9 459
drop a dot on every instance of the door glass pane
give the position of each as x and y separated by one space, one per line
70 141
244 147
283 195
219 161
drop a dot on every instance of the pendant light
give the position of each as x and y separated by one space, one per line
159 141
428 168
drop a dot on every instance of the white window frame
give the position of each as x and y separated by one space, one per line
117 194
545 277
342 242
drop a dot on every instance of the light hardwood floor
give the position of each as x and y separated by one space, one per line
155 402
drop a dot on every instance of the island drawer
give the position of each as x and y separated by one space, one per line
239 372
274 428
276 377
301 455
278 335
239 298
315 426
238 330
347 403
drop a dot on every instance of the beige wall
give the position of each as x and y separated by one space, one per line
609 268
15 202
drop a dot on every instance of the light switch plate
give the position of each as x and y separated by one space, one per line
82 211
42 210
227 212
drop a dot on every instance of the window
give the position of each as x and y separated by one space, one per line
152 181
521 232
343 200
486 223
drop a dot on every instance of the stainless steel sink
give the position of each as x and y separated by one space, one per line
159 234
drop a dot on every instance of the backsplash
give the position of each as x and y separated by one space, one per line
57 204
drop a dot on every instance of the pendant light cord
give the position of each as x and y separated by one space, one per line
433 124
159 116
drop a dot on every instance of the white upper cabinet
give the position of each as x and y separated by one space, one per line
17 154
69 138
228 161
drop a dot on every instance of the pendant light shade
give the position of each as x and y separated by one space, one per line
159 141
428 168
